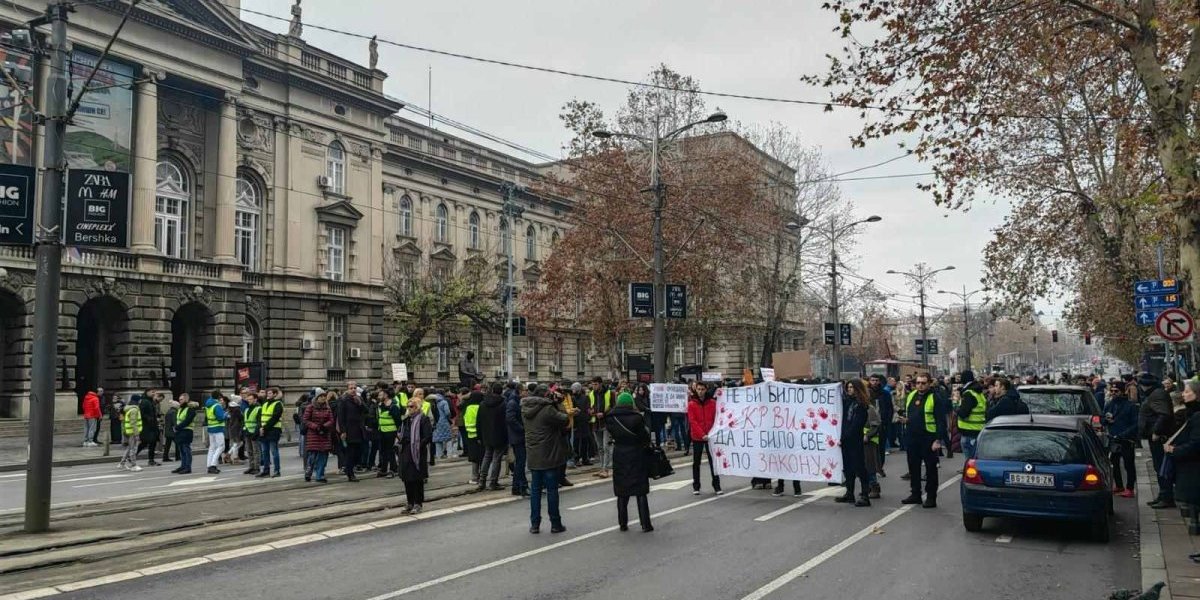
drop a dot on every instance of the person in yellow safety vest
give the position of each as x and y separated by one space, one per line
183 433
390 416
600 401
470 412
131 426
250 432
925 419
270 426
214 421
972 413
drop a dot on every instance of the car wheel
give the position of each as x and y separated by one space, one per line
1100 528
972 523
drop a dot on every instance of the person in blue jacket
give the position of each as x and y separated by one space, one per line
1121 419
516 439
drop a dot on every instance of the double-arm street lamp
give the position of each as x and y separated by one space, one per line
921 277
832 236
965 297
655 145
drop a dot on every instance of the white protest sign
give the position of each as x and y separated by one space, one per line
399 372
779 431
668 397
768 374
711 376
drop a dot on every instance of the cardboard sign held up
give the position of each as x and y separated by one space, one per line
399 372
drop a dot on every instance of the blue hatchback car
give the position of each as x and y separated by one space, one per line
1039 467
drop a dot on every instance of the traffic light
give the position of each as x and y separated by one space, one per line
1054 336
1087 338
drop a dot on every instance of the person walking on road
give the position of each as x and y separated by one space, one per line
701 414
91 419
854 427
493 437
631 470
1156 422
184 417
169 429
416 430
925 428
317 422
270 429
131 426
1121 419
516 439
544 420
971 413
148 405
214 420
351 428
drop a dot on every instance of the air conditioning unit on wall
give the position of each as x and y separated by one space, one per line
356 353
324 181
306 344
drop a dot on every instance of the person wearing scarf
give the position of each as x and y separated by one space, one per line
415 431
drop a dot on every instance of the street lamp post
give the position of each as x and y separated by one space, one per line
965 297
655 145
834 233
922 277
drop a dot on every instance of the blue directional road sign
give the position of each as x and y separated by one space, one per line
1146 318
1156 286
1156 301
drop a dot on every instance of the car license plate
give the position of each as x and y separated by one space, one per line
1031 479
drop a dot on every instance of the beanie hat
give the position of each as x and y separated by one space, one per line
624 399
576 387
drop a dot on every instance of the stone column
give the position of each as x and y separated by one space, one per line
226 180
145 161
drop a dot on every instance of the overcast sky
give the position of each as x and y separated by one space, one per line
757 48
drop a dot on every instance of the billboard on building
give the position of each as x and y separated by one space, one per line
16 104
100 136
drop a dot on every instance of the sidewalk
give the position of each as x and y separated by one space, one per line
68 451
1165 543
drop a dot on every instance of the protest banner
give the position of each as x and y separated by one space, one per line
707 376
399 372
768 374
668 397
778 430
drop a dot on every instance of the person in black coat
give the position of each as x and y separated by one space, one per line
854 422
631 471
148 405
351 427
493 437
1185 453
416 431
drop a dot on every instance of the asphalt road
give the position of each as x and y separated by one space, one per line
745 544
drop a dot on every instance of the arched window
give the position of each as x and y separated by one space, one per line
443 223
335 167
249 340
247 217
406 216
474 230
530 243
505 238
553 240
173 196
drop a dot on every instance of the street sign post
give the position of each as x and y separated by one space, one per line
97 209
931 344
829 333
1151 296
641 300
16 205
844 333
1174 325
1168 285
1146 318
676 301
1157 301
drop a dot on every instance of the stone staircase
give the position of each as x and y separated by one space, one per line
12 428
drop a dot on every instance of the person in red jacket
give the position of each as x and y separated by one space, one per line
701 414
91 419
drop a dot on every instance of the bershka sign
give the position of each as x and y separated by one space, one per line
16 204
97 209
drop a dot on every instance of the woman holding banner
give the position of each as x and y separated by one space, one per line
854 425
631 470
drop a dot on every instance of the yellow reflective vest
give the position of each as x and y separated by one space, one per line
978 417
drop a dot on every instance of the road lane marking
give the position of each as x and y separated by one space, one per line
816 561
95 477
555 546
132 481
790 508
672 485
828 491
195 481
1004 539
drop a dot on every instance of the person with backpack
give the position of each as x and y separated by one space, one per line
493 437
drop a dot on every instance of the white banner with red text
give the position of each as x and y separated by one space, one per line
779 431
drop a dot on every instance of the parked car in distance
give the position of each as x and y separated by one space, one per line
1075 400
1038 467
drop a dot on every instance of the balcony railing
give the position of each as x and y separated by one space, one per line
100 258
335 287
193 268
252 278
25 252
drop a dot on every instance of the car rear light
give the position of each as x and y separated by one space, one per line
1091 479
1096 424
971 473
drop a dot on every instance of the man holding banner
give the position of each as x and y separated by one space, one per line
925 426
702 417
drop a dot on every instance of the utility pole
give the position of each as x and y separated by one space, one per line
511 211
48 257
924 330
833 301
921 277
660 277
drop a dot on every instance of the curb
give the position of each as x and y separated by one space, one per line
91 460
1154 568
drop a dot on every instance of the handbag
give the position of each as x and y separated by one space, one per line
657 463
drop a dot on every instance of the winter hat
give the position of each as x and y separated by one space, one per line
624 399
968 376
576 387
1149 380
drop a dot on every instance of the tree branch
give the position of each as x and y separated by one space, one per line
1089 7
